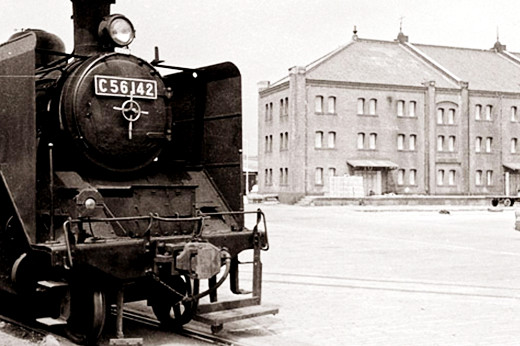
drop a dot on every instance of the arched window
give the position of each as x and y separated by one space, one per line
400 177
318 143
318 178
332 140
478 112
372 107
411 108
361 106
318 104
360 140
331 107
400 108
372 141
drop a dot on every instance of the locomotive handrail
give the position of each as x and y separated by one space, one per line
259 218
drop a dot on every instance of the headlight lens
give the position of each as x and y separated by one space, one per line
90 203
119 29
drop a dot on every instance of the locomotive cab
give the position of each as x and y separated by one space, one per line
120 184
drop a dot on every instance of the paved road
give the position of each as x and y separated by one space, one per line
414 278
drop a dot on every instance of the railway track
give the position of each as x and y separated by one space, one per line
29 330
139 317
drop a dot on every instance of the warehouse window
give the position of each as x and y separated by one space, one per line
411 109
270 111
400 177
478 178
286 141
451 143
489 142
286 106
318 178
400 142
451 177
361 106
488 112
282 107
514 114
373 141
413 177
478 112
489 178
281 176
400 108
440 143
372 107
412 141
318 143
360 140
451 116
331 107
332 172
282 141
478 144
514 142
440 116
286 176
440 177
332 140
318 104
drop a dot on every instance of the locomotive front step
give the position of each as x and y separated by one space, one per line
49 321
216 319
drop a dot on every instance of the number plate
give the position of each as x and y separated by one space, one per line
124 87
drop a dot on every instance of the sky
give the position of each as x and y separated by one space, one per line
266 38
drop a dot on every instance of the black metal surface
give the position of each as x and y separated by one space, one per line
207 125
18 125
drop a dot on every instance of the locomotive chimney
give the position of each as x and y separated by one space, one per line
87 14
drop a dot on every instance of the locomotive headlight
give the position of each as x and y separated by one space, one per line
118 29
90 203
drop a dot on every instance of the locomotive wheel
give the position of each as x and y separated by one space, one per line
85 313
165 304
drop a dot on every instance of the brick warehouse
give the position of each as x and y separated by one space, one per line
408 118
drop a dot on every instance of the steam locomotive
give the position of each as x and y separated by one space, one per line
118 184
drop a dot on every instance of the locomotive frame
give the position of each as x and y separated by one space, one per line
110 197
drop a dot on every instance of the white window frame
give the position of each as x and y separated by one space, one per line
440 116
361 140
400 177
372 107
412 105
412 177
331 140
440 177
451 143
440 143
318 139
489 178
372 142
318 104
451 177
489 144
478 112
361 106
318 176
489 111
412 142
478 178
478 144
451 116
400 142
331 105
400 108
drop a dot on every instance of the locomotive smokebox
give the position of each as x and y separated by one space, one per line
87 14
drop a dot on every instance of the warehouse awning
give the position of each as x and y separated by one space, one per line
512 166
372 164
